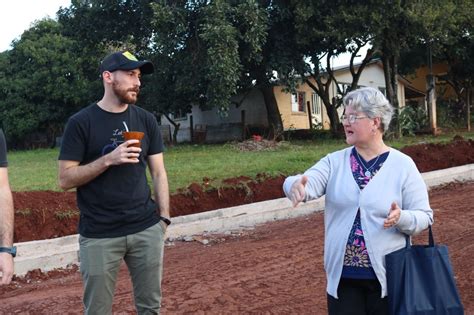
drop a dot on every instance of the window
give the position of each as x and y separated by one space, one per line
180 114
344 87
298 101
315 104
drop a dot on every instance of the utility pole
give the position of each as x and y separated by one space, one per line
431 93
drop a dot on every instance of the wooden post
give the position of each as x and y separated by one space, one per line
244 127
191 128
308 105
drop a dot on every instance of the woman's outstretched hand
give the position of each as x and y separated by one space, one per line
297 192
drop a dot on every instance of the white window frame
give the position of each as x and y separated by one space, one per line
180 114
315 104
296 100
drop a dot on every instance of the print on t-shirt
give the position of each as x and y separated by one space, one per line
116 135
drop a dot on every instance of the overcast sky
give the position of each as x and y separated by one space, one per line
16 16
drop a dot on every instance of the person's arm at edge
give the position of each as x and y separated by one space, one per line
6 226
160 183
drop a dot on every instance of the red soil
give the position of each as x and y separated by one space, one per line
276 268
48 214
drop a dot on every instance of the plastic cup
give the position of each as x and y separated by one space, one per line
136 135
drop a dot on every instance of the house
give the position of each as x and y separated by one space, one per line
210 126
449 101
440 71
248 112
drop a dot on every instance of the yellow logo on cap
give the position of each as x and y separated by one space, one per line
129 56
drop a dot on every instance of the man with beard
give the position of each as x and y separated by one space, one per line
118 218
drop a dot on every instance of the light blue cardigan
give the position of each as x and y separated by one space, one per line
398 180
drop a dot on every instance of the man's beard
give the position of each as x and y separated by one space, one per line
123 95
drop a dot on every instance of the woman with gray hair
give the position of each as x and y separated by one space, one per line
375 195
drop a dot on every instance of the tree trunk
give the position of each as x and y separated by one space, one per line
322 90
389 70
176 129
333 115
469 100
273 112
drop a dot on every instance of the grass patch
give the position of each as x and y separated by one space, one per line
185 164
33 169
23 212
67 214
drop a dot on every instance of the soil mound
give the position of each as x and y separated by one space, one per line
434 156
48 214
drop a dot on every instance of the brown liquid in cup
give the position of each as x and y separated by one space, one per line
137 135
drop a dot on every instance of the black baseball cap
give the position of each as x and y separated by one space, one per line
124 60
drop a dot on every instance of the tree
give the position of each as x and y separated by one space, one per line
207 49
41 82
102 23
402 25
320 31
197 46
456 46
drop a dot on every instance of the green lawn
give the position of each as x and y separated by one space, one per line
37 169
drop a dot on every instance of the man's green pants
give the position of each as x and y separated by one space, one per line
100 260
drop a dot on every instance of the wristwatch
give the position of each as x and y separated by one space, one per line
10 250
166 220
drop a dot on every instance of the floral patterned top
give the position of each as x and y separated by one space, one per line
356 259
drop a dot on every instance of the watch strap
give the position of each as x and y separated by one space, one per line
166 220
10 250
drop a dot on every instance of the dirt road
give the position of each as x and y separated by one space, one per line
274 269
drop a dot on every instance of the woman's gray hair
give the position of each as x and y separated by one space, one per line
371 102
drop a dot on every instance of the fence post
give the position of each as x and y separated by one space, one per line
191 128
244 127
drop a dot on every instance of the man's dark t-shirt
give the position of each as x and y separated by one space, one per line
117 202
3 150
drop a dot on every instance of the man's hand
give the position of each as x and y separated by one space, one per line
297 192
393 216
124 153
72 174
6 268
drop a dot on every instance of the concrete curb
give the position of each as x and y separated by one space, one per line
61 252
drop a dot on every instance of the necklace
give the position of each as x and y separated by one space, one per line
368 172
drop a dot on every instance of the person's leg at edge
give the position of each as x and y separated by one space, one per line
351 299
100 260
144 259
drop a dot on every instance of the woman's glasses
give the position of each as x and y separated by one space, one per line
351 118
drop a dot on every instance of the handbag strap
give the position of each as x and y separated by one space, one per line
431 242
430 237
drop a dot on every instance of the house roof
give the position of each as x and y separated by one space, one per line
410 90
357 65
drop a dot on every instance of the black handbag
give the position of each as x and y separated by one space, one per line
420 280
